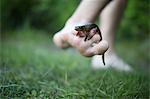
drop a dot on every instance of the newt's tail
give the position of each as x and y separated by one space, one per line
103 59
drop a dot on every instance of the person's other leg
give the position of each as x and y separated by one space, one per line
109 21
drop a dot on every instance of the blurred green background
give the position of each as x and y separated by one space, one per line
50 16
31 66
47 15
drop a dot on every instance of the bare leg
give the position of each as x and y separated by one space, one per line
110 20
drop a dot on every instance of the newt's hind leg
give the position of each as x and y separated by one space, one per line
92 33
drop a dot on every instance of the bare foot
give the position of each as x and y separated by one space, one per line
67 38
112 61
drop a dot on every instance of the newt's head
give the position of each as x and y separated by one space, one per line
79 28
86 27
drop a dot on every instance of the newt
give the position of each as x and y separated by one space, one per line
88 31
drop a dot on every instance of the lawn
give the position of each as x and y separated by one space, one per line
32 66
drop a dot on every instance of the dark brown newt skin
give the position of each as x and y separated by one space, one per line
88 31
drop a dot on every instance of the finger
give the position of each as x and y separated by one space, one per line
84 45
79 43
97 49
94 39
76 42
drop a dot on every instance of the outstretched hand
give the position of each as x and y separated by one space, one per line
67 38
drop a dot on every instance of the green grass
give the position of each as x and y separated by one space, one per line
32 67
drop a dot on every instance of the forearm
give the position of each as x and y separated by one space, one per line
88 10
